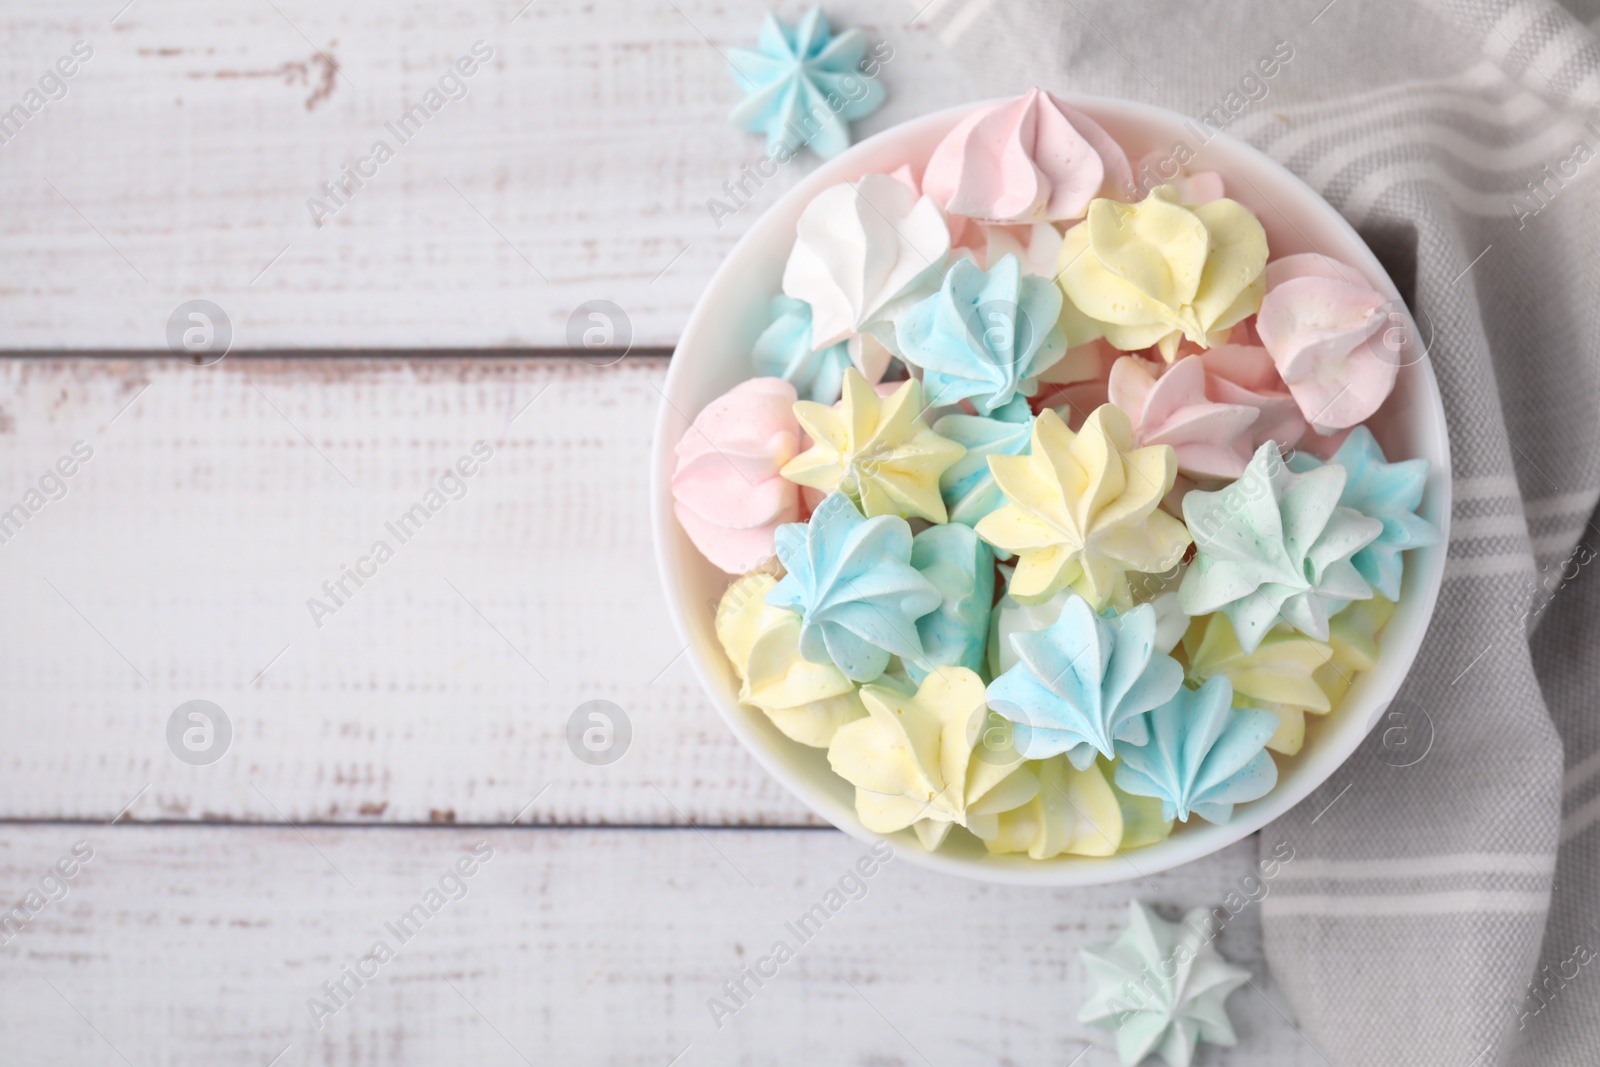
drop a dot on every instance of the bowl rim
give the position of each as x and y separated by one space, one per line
1183 847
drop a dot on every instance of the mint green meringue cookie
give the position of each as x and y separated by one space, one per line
1274 546
1162 987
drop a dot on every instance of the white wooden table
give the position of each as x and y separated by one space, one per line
428 713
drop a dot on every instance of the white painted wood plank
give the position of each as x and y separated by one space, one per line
179 564
180 160
202 946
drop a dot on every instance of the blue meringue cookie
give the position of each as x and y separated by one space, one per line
968 487
804 86
852 583
961 567
784 351
985 335
1085 683
1204 755
1388 492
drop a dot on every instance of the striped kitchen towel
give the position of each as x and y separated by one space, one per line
1443 902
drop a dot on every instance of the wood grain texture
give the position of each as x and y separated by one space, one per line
181 158
203 945
179 564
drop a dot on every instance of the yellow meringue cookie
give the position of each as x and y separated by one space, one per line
1353 633
1075 813
1160 271
1081 509
1280 676
878 451
807 701
921 760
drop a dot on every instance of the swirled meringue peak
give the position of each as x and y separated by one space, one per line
807 701
876 450
1030 159
1081 509
1281 675
968 486
804 86
1210 439
852 583
1274 546
916 761
985 336
1084 683
1244 374
726 489
1180 985
1203 755
1388 492
863 254
1323 324
961 567
1160 272
1075 814
784 350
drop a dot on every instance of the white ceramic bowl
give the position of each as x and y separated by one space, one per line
714 355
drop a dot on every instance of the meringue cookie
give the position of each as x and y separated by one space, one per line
726 489
1245 375
913 763
1211 440
807 701
1084 683
1321 321
863 254
1203 755
804 79
985 336
1353 635
1030 159
1081 509
1388 492
1162 986
961 567
1280 676
1075 813
1275 545
784 350
968 487
1159 272
876 450
851 582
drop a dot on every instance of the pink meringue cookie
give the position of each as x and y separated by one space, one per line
1322 323
726 489
1244 374
1031 159
1212 440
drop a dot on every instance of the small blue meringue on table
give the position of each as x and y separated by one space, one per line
804 86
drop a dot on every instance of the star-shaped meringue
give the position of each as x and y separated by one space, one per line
1081 509
1169 406
1162 986
1282 675
1275 546
920 760
876 450
804 86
